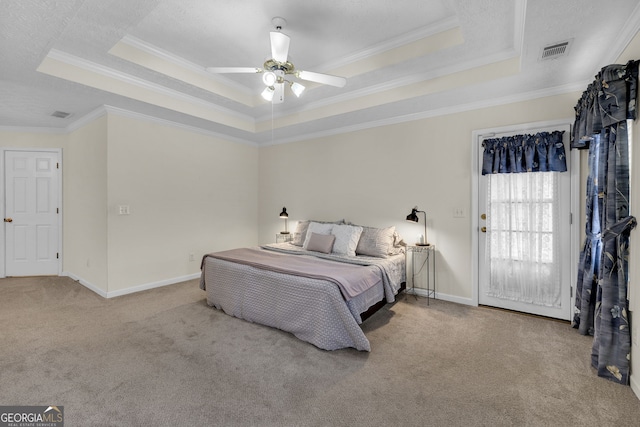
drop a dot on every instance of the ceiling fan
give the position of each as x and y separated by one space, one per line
276 69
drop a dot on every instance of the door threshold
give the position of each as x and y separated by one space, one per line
539 316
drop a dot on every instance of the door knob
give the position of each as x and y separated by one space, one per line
8 220
483 229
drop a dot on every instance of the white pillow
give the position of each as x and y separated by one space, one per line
347 237
301 233
376 242
318 228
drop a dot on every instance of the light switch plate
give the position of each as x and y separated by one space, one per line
458 213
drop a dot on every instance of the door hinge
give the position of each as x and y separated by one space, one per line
571 218
57 165
571 293
57 255
57 210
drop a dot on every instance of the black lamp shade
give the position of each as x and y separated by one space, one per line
284 213
413 217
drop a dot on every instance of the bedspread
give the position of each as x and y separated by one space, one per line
392 269
311 308
351 279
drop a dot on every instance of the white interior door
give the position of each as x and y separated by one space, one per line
549 297
31 221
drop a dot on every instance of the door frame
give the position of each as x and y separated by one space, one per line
3 151
574 169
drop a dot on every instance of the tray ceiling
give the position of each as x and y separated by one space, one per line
403 60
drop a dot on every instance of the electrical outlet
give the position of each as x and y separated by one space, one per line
458 213
123 210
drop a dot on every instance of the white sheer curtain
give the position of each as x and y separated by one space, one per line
522 238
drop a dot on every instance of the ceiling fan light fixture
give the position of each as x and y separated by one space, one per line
279 66
297 89
269 78
267 93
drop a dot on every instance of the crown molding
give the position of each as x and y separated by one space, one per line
86 119
102 110
505 100
107 109
144 84
396 83
145 117
396 42
447 24
626 35
183 63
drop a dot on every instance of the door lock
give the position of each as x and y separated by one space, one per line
483 216
8 220
483 229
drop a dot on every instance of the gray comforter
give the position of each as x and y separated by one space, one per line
351 279
312 308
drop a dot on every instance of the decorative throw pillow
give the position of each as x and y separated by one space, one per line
320 242
301 233
376 241
318 228
347 237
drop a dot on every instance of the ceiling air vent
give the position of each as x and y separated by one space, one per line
60 114
555 50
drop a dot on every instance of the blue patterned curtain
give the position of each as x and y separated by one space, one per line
542 152
601 298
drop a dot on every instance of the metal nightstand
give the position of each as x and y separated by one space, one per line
284 238
425 256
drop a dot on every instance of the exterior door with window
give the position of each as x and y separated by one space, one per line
31 221
525 242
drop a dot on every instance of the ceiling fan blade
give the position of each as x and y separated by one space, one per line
278 95
279 46
233 70
326 79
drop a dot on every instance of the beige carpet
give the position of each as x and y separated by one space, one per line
164 358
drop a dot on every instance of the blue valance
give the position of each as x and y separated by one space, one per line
542 152
610 99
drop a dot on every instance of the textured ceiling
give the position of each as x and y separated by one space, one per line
403 59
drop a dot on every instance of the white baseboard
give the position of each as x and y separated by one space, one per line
451 298
133 289
85 283
635 385
153 285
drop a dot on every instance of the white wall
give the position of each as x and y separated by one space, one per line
27 139
188 193
192 193
374 177
85 205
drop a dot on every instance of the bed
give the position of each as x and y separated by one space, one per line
319 292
